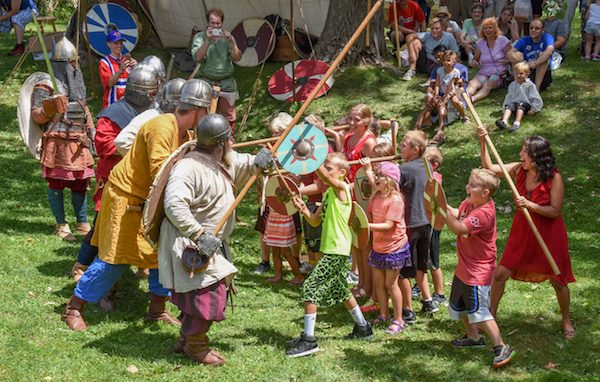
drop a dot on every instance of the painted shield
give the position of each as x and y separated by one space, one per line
256 39
307 74
154 210
359 225
362 188
434 199
30 131
103 17
303 150
278 197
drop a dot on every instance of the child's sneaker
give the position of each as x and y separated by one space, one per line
416 292
467 342
514 128
503 355
303 345
305 268
429 307
409 316
440 299
352 278
500 124
595 57
361 332
409 75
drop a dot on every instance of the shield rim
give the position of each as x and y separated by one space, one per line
270 48
31 132
363 202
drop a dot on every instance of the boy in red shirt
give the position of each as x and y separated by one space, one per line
474 223
114 69
411 19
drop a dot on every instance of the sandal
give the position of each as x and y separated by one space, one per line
379 320
395 328
294 282
274 280
439 139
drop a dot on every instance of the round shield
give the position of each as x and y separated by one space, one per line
303 150
434 199
154 210
362 188
103 17
278 197
256 39
359 225
307 74
30 131
193 261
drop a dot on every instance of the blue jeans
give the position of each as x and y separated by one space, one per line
101 276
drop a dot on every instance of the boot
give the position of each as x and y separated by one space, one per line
158 312
109 302
178 348
77 271
73 314
196 347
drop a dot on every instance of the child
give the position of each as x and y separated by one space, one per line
390 245
114 69
434 156
592 30
448 78
280 234
522 97
326 285
474 223
412 185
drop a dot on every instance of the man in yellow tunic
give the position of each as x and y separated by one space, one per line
119 227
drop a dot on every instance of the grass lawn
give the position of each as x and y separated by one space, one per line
34 265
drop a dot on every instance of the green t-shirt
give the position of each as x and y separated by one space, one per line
336 238
217 64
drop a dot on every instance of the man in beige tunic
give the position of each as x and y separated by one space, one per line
199 192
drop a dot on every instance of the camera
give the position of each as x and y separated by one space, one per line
216 32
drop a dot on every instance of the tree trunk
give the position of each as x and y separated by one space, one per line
343 18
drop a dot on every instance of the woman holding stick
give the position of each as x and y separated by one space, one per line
542 193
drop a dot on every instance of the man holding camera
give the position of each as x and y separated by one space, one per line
216 50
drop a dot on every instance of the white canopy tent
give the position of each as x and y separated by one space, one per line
174 20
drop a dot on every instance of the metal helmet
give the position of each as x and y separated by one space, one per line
168 97
142 86
212 129
156 64
195 93
64 51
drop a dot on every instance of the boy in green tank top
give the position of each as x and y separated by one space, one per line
326 285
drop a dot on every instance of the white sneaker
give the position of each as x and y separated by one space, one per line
409 75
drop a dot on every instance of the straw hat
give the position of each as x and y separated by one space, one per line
444 11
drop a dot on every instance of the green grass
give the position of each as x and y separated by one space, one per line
34 265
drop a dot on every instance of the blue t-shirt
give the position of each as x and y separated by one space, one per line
530 49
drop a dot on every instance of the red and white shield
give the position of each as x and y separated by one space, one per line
296 80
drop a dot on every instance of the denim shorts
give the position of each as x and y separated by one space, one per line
593 29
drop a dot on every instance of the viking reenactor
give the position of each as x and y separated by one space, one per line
140 94
200 188
168 100
118 227
66 121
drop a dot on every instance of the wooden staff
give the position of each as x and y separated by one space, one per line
293 37
83 5
368 32
274 139
394 128
515 192
214 102
281 178
303 108
397 35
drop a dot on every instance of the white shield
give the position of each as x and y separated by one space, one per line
31 132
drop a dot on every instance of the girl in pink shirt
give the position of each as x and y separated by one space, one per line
390 244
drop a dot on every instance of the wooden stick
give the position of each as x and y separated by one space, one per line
394 132
515 192
274 139
368 31
214 102
195 71
357 161
397 35
83 4
311 97
281 178
293 37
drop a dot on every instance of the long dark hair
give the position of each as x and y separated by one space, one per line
539 150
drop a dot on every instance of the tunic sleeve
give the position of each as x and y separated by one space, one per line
106 132
179 195
197 43
244 168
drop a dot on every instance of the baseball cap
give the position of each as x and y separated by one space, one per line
114 36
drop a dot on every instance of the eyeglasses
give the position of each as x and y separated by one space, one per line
535 28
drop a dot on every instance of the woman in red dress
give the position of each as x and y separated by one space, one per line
542 192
